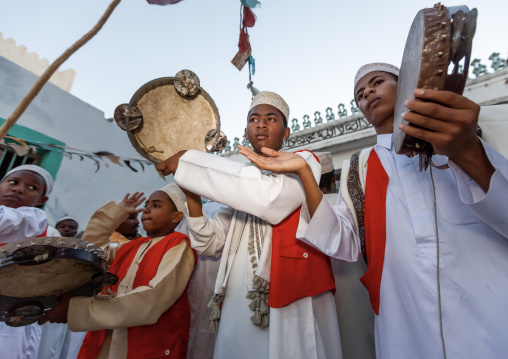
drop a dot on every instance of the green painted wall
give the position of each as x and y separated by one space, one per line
51 160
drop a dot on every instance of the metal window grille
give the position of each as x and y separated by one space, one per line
10 159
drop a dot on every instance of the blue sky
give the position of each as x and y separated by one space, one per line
307 51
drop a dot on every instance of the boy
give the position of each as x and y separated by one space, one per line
127 230
22 190
147 315
273 295
436 272
67 226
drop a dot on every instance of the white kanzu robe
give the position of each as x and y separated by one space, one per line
305 329
17 224
473 233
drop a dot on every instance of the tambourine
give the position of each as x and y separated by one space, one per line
436 56
171 114
35 271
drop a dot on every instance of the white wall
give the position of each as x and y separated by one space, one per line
78 191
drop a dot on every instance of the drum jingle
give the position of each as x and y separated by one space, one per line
171 114
436 56
35 271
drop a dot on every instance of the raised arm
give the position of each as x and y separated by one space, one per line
449 122
106 219
288 162
243 187
208 228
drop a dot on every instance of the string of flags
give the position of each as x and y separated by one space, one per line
23 147
244 54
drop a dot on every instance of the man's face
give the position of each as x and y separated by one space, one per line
22 188
129 227
375 95
265 128
159 216
67 228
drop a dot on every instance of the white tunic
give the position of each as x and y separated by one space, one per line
17 224
473 232
304 329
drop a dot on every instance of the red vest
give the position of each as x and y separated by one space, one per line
170 335
297 270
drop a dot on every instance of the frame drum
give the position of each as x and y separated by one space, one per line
33 272
171 114
436 56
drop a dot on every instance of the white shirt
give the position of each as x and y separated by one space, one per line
473 232
19 223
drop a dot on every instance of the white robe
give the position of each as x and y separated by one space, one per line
473 232
354 312
17 224
305 329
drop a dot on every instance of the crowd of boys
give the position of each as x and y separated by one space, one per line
407 264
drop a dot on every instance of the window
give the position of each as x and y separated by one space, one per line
10 159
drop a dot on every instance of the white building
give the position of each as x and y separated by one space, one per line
83 181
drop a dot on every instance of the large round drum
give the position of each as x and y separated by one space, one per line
33 272
436 56
171 114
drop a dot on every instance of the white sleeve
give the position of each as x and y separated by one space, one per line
332 231
208 233
243 186
19 223
490 207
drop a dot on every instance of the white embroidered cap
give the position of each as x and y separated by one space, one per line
64 218
325 158
375 66
177 196
273 99
38 170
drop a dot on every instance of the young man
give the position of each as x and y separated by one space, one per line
147 314
67 226
22 190
273 294
457 308
127 230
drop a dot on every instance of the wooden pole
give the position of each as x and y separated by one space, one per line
36 88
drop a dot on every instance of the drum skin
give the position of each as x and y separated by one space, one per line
171 122
33 272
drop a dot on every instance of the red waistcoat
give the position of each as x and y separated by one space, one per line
297 270
168 337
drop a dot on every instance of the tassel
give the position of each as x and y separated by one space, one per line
215 315
256 318
264 308
265 322
214 326
255 304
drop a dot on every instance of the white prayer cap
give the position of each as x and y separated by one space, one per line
271 98
177 196
65 218
35 169
375 66
325 158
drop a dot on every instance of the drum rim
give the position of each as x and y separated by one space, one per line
158 82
